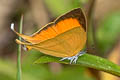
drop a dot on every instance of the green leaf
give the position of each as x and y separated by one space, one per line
86 60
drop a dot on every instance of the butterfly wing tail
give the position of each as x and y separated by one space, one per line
25 37
26 45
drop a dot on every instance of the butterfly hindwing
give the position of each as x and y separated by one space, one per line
63 45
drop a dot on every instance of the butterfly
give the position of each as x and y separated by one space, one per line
65 37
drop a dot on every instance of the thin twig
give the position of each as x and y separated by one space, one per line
90 29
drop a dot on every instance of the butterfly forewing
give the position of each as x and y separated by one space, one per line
62 24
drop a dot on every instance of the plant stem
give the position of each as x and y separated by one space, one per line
19 52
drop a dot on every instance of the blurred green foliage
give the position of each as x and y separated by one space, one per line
32 71
7 70
58 7
108 31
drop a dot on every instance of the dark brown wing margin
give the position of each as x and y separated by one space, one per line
75 13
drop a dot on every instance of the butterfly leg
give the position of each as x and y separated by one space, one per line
73 58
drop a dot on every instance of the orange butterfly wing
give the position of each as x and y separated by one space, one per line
48 35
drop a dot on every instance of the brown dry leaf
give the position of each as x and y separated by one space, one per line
6 8
35 17
103 7
39 12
